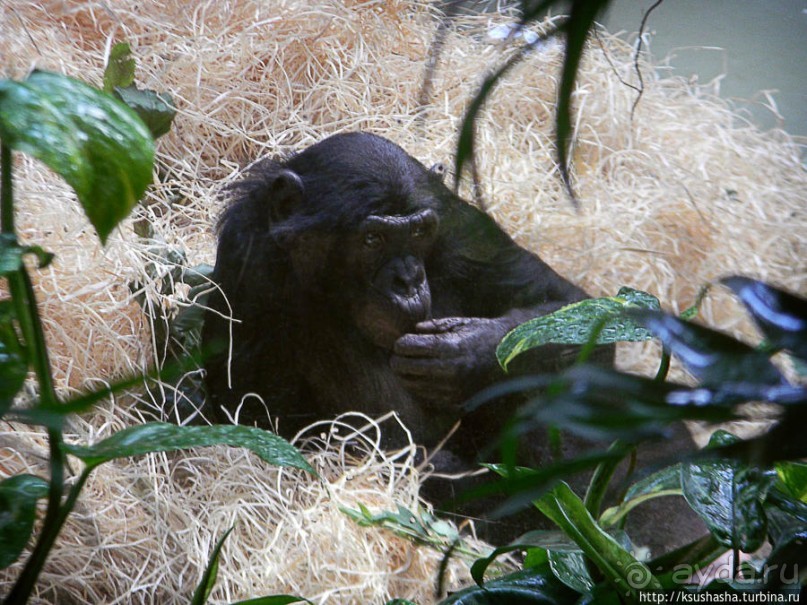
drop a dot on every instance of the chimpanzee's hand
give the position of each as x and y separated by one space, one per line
447 360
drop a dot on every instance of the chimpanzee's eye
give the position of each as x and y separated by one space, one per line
418 232
373 239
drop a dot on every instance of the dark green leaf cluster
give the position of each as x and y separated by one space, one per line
105 152
748 493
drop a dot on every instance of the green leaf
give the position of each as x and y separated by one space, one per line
533 540
576 323
282 599
197 277
787 532
421 527
728 496
712 357
793 475
208 581
525 587
570 568
690 558
582 15
156 109
11 254
120 67
524 485
536 557
97 144
566 510
666 482
31 122
13 364
18 496
622 570
603 404
164 437
691 313
781 316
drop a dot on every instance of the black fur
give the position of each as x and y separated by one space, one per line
341 300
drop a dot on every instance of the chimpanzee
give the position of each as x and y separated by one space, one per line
358 281
352 279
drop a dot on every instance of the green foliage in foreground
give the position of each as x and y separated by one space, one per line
747 492
105 152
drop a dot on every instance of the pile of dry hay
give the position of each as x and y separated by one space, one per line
681 194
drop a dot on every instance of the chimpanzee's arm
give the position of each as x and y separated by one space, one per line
494 286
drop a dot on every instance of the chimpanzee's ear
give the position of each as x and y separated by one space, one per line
439 169
285 195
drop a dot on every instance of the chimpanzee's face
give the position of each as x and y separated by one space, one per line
387 256
361 217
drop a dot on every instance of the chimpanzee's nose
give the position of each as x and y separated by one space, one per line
408 277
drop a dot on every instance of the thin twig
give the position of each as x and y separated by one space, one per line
636 57
435 52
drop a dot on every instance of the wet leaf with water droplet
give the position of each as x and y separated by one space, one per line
575 324
728 495
96 143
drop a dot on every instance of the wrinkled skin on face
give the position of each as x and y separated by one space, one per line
389 255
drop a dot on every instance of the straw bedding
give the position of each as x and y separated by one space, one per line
683 193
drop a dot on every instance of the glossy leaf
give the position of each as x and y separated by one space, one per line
781 316
576 323
164 437
533 540
566 510
787 516
710 356
18 496
156 109
570 568
420 526
523 486
787 519
728 496
208 581
582 15
97 144
11 254
793 475
621 569
525 587
31 122
666 482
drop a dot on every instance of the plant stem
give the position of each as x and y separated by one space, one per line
27 315
664 365
600 480
6 191
54 519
